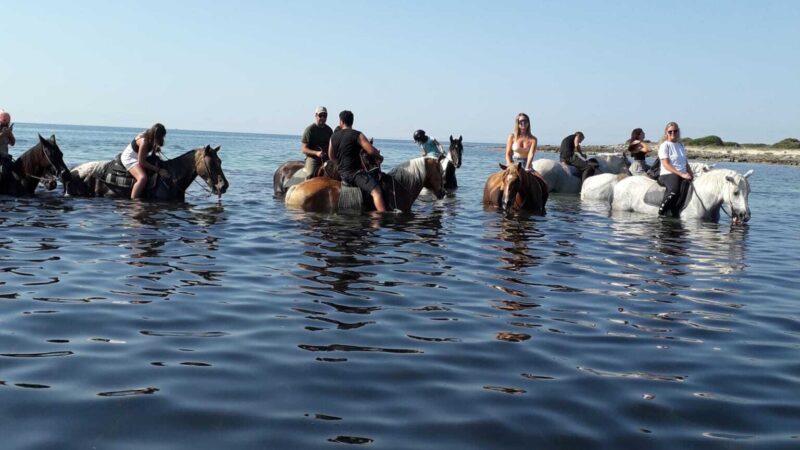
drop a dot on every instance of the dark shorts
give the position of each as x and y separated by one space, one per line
361 179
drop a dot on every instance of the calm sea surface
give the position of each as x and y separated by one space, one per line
240 324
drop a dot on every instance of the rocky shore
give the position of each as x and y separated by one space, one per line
731 154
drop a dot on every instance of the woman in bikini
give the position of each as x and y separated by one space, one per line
521 144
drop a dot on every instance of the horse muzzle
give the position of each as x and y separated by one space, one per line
740 217
220 188
65 176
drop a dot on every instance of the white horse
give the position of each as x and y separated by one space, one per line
601 187
709 193
560 179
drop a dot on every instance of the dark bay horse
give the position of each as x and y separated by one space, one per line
452 162
400 187
514 189
90 179
43 162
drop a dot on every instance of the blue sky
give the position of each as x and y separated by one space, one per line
450 67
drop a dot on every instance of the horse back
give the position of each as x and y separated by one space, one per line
317 194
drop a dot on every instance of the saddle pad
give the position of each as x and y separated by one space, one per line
297 178
113 173
655 195
351 199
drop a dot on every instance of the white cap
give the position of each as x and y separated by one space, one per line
320 109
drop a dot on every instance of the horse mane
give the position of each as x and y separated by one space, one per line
410 174
25 160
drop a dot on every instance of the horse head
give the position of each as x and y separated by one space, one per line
209 168
455 151
510 185
736 196
54 160
434 178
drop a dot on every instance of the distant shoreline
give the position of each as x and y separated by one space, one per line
766 155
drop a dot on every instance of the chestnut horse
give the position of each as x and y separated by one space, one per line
43 162
400 187
91 180
514 189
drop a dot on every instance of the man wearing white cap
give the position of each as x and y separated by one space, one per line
315 140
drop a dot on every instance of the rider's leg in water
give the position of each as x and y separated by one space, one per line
377 198
672 184
141 181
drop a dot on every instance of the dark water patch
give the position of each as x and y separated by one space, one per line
354 348
189 334
351 440
433 339
323 416
505 390
37 355
129 392
31 386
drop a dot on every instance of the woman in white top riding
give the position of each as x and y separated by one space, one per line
676 174
134 157
521 144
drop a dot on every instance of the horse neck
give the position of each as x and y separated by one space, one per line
411 176
27 165
184 168
709 193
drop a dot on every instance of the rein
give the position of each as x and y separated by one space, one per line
722 206
205 164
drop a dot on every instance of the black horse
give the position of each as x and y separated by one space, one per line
102 179
44 163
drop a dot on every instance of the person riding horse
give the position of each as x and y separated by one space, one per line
569 146
345 148
315 141
6 139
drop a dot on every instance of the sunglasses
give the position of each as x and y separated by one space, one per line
523 121
673 131
322 115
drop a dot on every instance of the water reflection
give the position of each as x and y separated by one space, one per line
517 232
685 245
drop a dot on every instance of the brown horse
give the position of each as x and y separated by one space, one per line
91 180
400 187
514 189
43 162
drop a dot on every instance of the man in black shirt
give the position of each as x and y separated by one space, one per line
570 145
315 141
345 148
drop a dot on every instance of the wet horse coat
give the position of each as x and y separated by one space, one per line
91 180
44 162
400 188
514 189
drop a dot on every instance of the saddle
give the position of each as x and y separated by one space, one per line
655 195
353 198
113 173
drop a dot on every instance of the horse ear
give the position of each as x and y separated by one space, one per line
730 178
502 166
749 172
207 148
451 139
53 138
41 139
216 149
460 138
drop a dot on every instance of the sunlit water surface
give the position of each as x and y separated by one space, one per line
241 324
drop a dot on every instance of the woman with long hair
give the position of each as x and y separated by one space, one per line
638 149
521 143
134 157
676 174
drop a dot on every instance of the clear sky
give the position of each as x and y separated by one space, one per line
730 68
